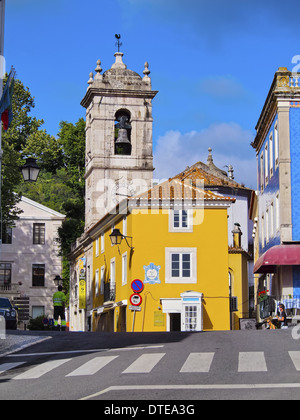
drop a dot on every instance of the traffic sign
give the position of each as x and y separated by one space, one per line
137 286
135 299
134 308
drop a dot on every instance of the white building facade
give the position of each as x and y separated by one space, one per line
30 258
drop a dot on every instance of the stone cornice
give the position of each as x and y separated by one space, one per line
91 92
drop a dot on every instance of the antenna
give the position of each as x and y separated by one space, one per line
118 43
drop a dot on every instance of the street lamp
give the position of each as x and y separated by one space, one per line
57 280
30 170
116 238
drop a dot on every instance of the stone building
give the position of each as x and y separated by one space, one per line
30 258
119 159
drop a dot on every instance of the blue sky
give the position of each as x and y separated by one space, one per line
212 62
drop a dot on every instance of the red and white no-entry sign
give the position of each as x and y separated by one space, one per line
135 299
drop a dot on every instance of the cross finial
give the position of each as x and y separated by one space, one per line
118 43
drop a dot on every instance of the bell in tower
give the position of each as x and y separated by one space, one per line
122 134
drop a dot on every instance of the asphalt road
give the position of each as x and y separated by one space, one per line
153 372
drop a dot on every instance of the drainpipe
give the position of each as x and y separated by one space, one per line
230 311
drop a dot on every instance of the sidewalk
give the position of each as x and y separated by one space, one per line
52 341
18 340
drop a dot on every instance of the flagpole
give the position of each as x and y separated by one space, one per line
2 19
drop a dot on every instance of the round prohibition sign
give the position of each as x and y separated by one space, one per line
135 299
137 286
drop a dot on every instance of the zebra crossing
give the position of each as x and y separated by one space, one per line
198 362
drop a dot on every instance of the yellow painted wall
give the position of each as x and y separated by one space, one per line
77 313
151 236
239 272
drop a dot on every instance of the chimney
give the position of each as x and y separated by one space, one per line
230 172
237 236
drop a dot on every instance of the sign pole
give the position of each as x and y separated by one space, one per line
144 311
133 321
137 287
2 19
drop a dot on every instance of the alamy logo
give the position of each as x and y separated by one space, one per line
296 332
124 194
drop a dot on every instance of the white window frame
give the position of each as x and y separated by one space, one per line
262 177
124 226
276 144
193 265
124 268
262 231
112 228
271 154
113 271
97 282
277 210
266 163
102 280
102 242
272 220
267 226
180 228
97 247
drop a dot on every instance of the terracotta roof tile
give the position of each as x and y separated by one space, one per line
176 189
209 176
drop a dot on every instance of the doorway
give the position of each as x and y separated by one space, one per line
175 321
192 317
121 327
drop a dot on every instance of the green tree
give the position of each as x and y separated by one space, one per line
13 143
72 140
61 184
46 149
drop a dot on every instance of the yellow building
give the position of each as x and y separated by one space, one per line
180 253
78 289
173 236
238 286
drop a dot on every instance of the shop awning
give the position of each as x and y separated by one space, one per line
278 255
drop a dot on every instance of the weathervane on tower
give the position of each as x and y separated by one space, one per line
118 43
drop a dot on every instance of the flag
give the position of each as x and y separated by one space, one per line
6 100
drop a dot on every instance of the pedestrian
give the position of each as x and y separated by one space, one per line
281 316
59 300
271 326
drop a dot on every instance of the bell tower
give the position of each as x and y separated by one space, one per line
119 160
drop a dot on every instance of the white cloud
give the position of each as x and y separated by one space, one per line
230 144
223 87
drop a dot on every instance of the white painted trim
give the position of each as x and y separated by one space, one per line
189 227
184 280
41 207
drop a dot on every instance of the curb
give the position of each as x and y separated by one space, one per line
24 346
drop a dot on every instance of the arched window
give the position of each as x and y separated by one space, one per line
122 132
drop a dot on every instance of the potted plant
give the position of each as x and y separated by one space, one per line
262 296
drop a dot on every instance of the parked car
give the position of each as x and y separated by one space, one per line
9 313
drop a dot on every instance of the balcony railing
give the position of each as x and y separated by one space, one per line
109 291
9 287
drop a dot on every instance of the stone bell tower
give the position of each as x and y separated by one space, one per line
119 160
